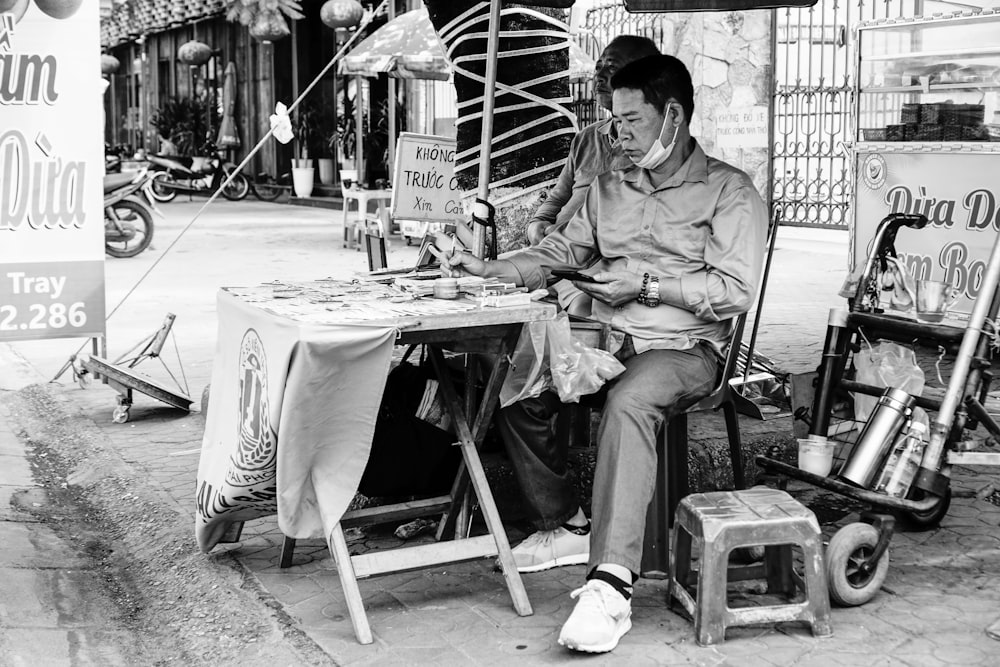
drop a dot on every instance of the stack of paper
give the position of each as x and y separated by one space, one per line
415 286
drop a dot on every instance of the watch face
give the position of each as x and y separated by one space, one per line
873 171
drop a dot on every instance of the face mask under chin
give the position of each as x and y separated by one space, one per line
658 153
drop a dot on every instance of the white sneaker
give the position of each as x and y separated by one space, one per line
601 617
551 548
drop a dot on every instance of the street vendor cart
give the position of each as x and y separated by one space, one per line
928 124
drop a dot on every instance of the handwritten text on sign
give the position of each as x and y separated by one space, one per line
424 186
742 128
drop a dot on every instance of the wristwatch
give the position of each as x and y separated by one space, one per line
653 292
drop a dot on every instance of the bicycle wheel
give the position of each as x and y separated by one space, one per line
267 190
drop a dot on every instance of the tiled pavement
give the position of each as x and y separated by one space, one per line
940 595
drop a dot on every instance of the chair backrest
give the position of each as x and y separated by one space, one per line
721 391
728 369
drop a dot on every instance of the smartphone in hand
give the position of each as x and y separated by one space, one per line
573 275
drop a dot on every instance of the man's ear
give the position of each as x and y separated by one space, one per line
676 113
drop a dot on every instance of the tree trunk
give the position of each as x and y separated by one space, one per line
525 157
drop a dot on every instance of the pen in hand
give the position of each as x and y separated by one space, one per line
443 258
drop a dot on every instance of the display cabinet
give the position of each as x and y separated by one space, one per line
927 141
930 80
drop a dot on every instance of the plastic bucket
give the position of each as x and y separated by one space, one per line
816 456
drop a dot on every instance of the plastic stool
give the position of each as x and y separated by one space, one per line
725 520
353 231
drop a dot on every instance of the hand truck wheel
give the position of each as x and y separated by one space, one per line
853 581
120 414
84 378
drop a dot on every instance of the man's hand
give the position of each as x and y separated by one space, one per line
538 230
613 287
463 263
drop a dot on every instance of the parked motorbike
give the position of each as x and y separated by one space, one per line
112 163
173 174
128 207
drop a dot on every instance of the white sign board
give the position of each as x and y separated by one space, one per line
957 192
51 171
423 184
742 128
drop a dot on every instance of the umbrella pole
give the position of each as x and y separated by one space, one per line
486 137
359 135
337 157
391 143
391 140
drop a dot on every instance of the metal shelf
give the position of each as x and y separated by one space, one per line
971 87
945 53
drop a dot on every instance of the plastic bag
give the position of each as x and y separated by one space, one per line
577 369
886 364
529 372
899 281
546 356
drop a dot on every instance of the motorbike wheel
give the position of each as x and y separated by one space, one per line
160 187
237 189
267 190
136 226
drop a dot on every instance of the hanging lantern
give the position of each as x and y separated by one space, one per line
269 25
341 13
194 53
109 64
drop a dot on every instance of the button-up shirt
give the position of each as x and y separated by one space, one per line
702 232
594 150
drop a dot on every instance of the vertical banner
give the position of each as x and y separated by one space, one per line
51 170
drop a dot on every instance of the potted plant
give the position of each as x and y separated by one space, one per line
306 127
345 140
325 163
183 125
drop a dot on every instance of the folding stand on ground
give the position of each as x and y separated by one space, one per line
121 376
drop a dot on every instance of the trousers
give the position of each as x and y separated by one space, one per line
655 385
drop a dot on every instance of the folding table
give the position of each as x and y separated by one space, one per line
302 321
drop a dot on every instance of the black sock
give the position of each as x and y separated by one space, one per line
615 582
578 530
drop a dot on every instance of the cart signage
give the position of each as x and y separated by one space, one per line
424 186
960 196
51 168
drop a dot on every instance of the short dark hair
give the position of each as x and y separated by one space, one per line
638 46
659 78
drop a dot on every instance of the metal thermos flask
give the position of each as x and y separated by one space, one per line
875 441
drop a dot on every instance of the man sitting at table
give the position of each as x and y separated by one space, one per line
676 241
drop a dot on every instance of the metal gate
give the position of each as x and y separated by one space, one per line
813 102
813 98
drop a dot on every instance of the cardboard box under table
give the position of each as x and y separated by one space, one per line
296 385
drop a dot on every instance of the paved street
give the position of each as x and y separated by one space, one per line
939 598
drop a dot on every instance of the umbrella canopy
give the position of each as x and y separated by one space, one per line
229 137
408 48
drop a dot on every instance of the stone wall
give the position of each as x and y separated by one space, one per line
729 56
730 59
